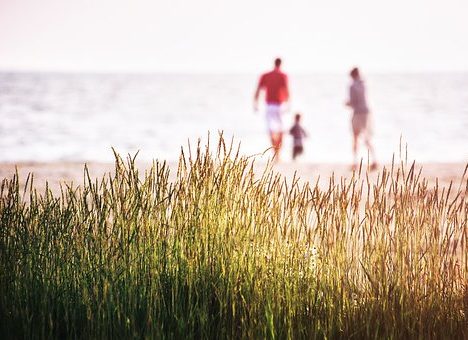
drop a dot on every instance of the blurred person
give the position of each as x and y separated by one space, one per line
275 85
298 134
361 119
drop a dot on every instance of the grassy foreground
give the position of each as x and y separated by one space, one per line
222 253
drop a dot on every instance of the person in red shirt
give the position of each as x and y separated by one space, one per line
275 85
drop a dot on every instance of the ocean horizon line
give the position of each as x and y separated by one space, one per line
5 71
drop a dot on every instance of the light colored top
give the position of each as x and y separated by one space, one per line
357 97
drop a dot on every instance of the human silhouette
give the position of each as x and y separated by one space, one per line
361 119
275 85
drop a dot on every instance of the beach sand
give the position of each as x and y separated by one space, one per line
58 173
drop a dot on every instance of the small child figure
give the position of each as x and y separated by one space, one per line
298 133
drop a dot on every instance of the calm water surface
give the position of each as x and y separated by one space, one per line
79 117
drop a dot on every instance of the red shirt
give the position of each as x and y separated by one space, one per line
275 84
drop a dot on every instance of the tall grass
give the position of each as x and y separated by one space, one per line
221 252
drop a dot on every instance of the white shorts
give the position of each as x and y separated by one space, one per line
273 118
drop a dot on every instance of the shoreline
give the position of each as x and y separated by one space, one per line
57 173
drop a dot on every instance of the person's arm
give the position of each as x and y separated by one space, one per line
352 97
286 89
257 93
348 102
285 95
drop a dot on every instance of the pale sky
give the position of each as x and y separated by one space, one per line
234 35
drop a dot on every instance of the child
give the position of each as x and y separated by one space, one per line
298 134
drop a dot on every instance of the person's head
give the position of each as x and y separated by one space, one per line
355 73
297 117
278 62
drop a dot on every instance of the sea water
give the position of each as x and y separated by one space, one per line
81 117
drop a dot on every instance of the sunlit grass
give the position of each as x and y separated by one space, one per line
223 252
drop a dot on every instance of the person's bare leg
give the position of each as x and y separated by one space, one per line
279 143
274 144
355 149
370 147
272 139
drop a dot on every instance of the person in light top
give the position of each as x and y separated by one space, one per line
361 118
275 85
